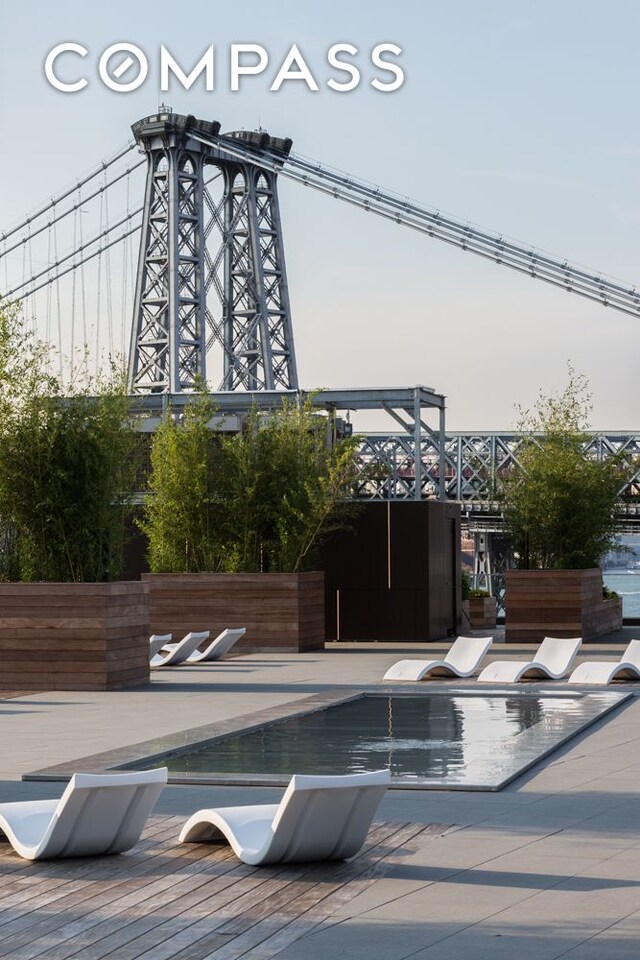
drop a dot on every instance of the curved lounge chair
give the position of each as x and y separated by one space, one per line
604 671
218 647
96 814
179 652
318 818
463 659
157 641
553 661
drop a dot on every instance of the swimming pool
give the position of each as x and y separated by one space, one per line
451 740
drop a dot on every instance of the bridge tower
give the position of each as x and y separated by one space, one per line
211 266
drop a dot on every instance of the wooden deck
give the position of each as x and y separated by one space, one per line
191 902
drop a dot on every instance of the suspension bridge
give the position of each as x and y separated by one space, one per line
175 261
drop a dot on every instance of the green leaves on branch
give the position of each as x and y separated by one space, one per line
67 468
181 512
258 500
559 503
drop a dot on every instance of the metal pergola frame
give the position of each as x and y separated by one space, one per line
409 407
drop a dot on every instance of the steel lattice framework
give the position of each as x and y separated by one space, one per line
174 321
211 267
211 264
474 463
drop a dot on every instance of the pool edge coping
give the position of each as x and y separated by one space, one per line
161 748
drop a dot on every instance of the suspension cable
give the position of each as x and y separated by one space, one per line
80 249
67 193
90 256
592 285
71 209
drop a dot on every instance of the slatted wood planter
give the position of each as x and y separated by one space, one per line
73 636
558 603
481 612
282 612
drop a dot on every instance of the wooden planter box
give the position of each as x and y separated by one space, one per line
282 612
558 603
73 636
481 612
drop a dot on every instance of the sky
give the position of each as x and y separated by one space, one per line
518 116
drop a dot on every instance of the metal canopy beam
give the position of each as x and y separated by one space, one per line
241 401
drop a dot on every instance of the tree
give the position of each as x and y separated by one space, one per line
67 467
285 486
559 503
182 514
258 500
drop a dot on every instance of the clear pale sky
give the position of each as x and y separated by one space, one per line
519 116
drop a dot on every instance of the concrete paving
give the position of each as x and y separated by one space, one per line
547 868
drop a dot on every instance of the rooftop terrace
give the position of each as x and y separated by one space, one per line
546 868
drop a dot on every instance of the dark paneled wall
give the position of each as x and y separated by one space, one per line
396 576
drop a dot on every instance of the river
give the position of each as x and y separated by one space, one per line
628 586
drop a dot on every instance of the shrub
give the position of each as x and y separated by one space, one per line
259 500
67 468
559 503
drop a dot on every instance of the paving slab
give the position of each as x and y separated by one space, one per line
547 868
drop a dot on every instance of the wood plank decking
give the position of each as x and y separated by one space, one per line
189 902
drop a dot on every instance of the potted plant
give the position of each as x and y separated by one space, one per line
233 522
481 610
478 606
559 509
67 481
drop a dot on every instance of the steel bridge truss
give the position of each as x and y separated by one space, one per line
473 466
211 266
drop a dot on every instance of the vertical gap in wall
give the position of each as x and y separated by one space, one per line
389 545
337 614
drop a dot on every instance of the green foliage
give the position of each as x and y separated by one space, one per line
478 594
259 500
182 515
559 504
67 468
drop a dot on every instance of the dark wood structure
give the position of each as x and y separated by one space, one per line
73 636
282 612
558 603
397 575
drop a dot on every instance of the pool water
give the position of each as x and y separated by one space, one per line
430 738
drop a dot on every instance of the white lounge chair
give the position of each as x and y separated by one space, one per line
96 814
157 641
553 661
604 671
179 652
318 818
218 647
463 659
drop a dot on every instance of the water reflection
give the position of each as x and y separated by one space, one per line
525 713
428 736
